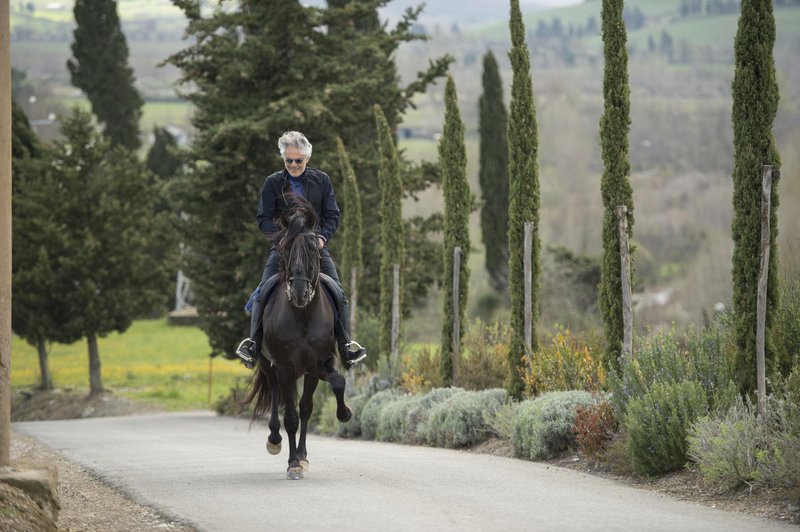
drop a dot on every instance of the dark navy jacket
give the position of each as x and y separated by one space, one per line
318 191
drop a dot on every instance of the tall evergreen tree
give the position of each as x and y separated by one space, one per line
615 186
755 104
162 157
493 174
523 143
255 73
110 236
35 317
392 239
99 67
351 226
457 203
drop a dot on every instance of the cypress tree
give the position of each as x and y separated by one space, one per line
457 203
615 186
99 67
755 104
162 158
493 174
392 239
351 226
523 146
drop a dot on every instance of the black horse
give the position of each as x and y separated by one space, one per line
298 339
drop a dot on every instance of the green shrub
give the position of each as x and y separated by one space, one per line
392 421
786 328
657 424
567 362
501 422
373 410
460 420
421 371
420 410
543 427
726 447
781 464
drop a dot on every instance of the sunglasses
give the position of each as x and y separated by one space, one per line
289 160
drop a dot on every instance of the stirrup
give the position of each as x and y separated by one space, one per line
245 352
360 353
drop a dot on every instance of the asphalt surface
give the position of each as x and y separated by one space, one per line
215 473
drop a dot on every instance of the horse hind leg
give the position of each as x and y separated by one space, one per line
337 382
274 439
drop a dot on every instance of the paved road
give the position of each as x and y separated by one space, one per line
215 473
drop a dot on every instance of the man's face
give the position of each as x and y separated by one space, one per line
294 161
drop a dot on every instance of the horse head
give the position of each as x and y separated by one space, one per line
300 258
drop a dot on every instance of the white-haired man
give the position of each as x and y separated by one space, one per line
315 186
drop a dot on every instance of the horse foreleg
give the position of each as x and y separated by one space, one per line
290 422
306 407
337 382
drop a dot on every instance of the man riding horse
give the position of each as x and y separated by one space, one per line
315 186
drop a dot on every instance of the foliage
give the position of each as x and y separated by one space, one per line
419 411
661 359
461 420
615 186
657 424
485 361
493 173
245 94
786 329
421 371
543 427
99 67
594 428
726 447
524 198
755 104
457 203
373 411
568 363
391 227
98 240
501 421
162 157
352 226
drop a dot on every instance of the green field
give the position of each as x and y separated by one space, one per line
151 362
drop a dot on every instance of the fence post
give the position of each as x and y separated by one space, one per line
456 353
528 273
761 300
395 314
5 235
624 258
353 301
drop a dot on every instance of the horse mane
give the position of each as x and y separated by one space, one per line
298 222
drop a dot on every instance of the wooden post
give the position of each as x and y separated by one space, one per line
456 352
761 301
353 301
210 377
395 314
624 259
5 235
528 273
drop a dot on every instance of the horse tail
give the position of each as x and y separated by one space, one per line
260 388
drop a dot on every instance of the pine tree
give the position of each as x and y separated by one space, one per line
615 186
99 67
35 316
351 228
255 73
108 270
523 146
755 104
457 203
392 239
493 175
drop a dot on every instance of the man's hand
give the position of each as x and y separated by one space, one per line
321 242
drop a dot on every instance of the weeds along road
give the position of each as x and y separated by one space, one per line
215 473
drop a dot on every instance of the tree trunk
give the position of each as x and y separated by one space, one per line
95 380
44 366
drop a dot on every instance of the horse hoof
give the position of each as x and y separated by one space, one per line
294 473
348 415
304 465
273 448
